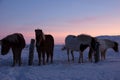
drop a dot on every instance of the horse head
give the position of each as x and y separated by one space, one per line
115 47
5 46
39 36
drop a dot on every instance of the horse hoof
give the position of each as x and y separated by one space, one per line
51 62
13 65
19 64
47 61
29 64
43 63
79 62
39 64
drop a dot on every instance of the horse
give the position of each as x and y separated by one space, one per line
79 43
44 45
16 42
105 44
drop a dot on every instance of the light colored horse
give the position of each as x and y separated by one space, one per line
79 43
71 44
104 45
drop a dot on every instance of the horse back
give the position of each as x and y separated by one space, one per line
49 41
109 42
16 40
71 42
85 39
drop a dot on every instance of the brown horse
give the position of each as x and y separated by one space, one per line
105 44
15 41
79 43
44 45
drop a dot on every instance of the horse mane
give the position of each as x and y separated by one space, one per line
12 38
72 36
85 38
43 35
83 35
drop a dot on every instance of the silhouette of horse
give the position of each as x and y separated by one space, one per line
16 42
104 45
44 45
79 43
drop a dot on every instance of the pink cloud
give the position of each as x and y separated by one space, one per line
92 19
83 20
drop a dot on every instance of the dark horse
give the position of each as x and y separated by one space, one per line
16 42
44 45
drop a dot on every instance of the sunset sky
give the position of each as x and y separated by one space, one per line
59 17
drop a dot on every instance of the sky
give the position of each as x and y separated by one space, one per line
59 18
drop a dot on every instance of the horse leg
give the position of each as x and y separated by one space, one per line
51 56
101 55
14 57
104 54
80 57
19 58
39 57
90 55
48 54
43 57
68 55
72 55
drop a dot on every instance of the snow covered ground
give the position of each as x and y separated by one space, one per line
108 69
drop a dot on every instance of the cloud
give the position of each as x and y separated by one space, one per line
83 20
103 20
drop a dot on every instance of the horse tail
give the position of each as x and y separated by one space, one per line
21 40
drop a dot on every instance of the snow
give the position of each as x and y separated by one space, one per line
108 69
